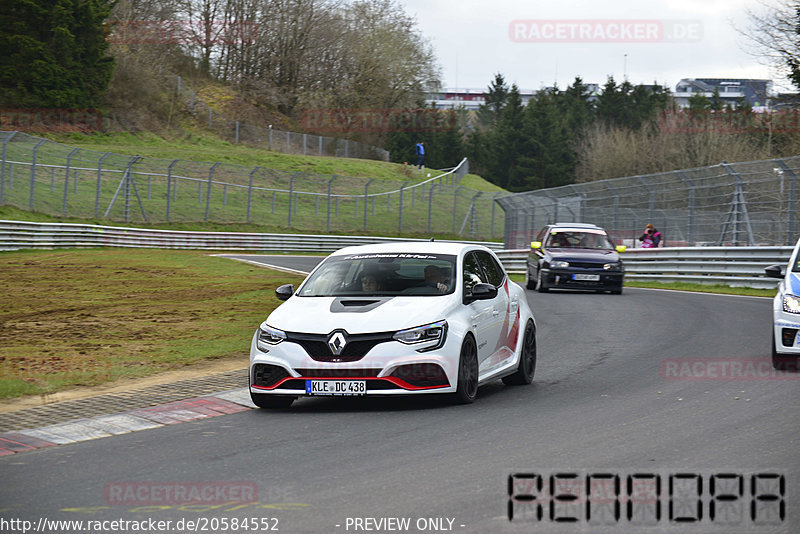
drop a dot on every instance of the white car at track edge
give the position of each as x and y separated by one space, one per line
786 313
395 319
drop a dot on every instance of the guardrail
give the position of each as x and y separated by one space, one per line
732 266
16 235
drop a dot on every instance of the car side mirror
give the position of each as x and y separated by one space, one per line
284 292
774 271
621 248
535 245
482 291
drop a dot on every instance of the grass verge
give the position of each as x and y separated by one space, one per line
87 317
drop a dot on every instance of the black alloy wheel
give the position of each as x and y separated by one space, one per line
467 388
527 361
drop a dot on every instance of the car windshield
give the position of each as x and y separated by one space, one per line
578 239
383 274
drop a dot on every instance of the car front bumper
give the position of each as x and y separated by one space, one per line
390 368
571 279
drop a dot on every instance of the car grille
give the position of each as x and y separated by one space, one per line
585 265
338 373
357 346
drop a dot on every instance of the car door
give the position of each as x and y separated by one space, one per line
481 312
504 320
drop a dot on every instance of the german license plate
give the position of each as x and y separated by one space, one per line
336 387
586 277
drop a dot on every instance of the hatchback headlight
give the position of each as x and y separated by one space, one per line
560 264
434 332
612 266
791 304
269 336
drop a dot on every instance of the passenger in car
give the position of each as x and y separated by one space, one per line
435 277
370 283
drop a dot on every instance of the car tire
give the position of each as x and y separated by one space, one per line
530 284
617 291
467 387
527 361
540 287
782 362
271 401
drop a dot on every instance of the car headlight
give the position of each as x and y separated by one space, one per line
434 332
269 336
612 266
791 304
560 264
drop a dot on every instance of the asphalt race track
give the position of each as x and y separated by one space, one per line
637 386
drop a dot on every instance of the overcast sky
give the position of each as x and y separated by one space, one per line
532 42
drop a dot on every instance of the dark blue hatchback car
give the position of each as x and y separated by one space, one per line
574 256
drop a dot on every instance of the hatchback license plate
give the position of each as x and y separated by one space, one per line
586 277
336 387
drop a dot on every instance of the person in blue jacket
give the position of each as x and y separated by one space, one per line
420 154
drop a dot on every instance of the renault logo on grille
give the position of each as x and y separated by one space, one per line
336 343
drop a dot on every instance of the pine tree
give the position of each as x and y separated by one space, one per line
496 99
54 53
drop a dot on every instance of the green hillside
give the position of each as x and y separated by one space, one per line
463 209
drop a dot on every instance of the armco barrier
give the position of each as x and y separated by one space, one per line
16 235
732 266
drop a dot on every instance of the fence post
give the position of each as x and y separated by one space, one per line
270 137
250 193
99 179
208 189
169 184
291 196
330 183
792 215
179 86
494 204
305 142
738 209
210 118
320 144
690 223
430 206
237 132
287 143
455 206
66 181
33 172
3 168
366 192
400 209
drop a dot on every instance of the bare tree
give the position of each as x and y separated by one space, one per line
773 34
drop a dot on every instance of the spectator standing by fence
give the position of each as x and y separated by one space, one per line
651 237
420 154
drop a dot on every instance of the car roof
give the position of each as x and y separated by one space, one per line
576 226
427 247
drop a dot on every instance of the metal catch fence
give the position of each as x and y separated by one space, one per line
52 178
737 204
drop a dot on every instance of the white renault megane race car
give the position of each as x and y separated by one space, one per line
786 313
394 319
